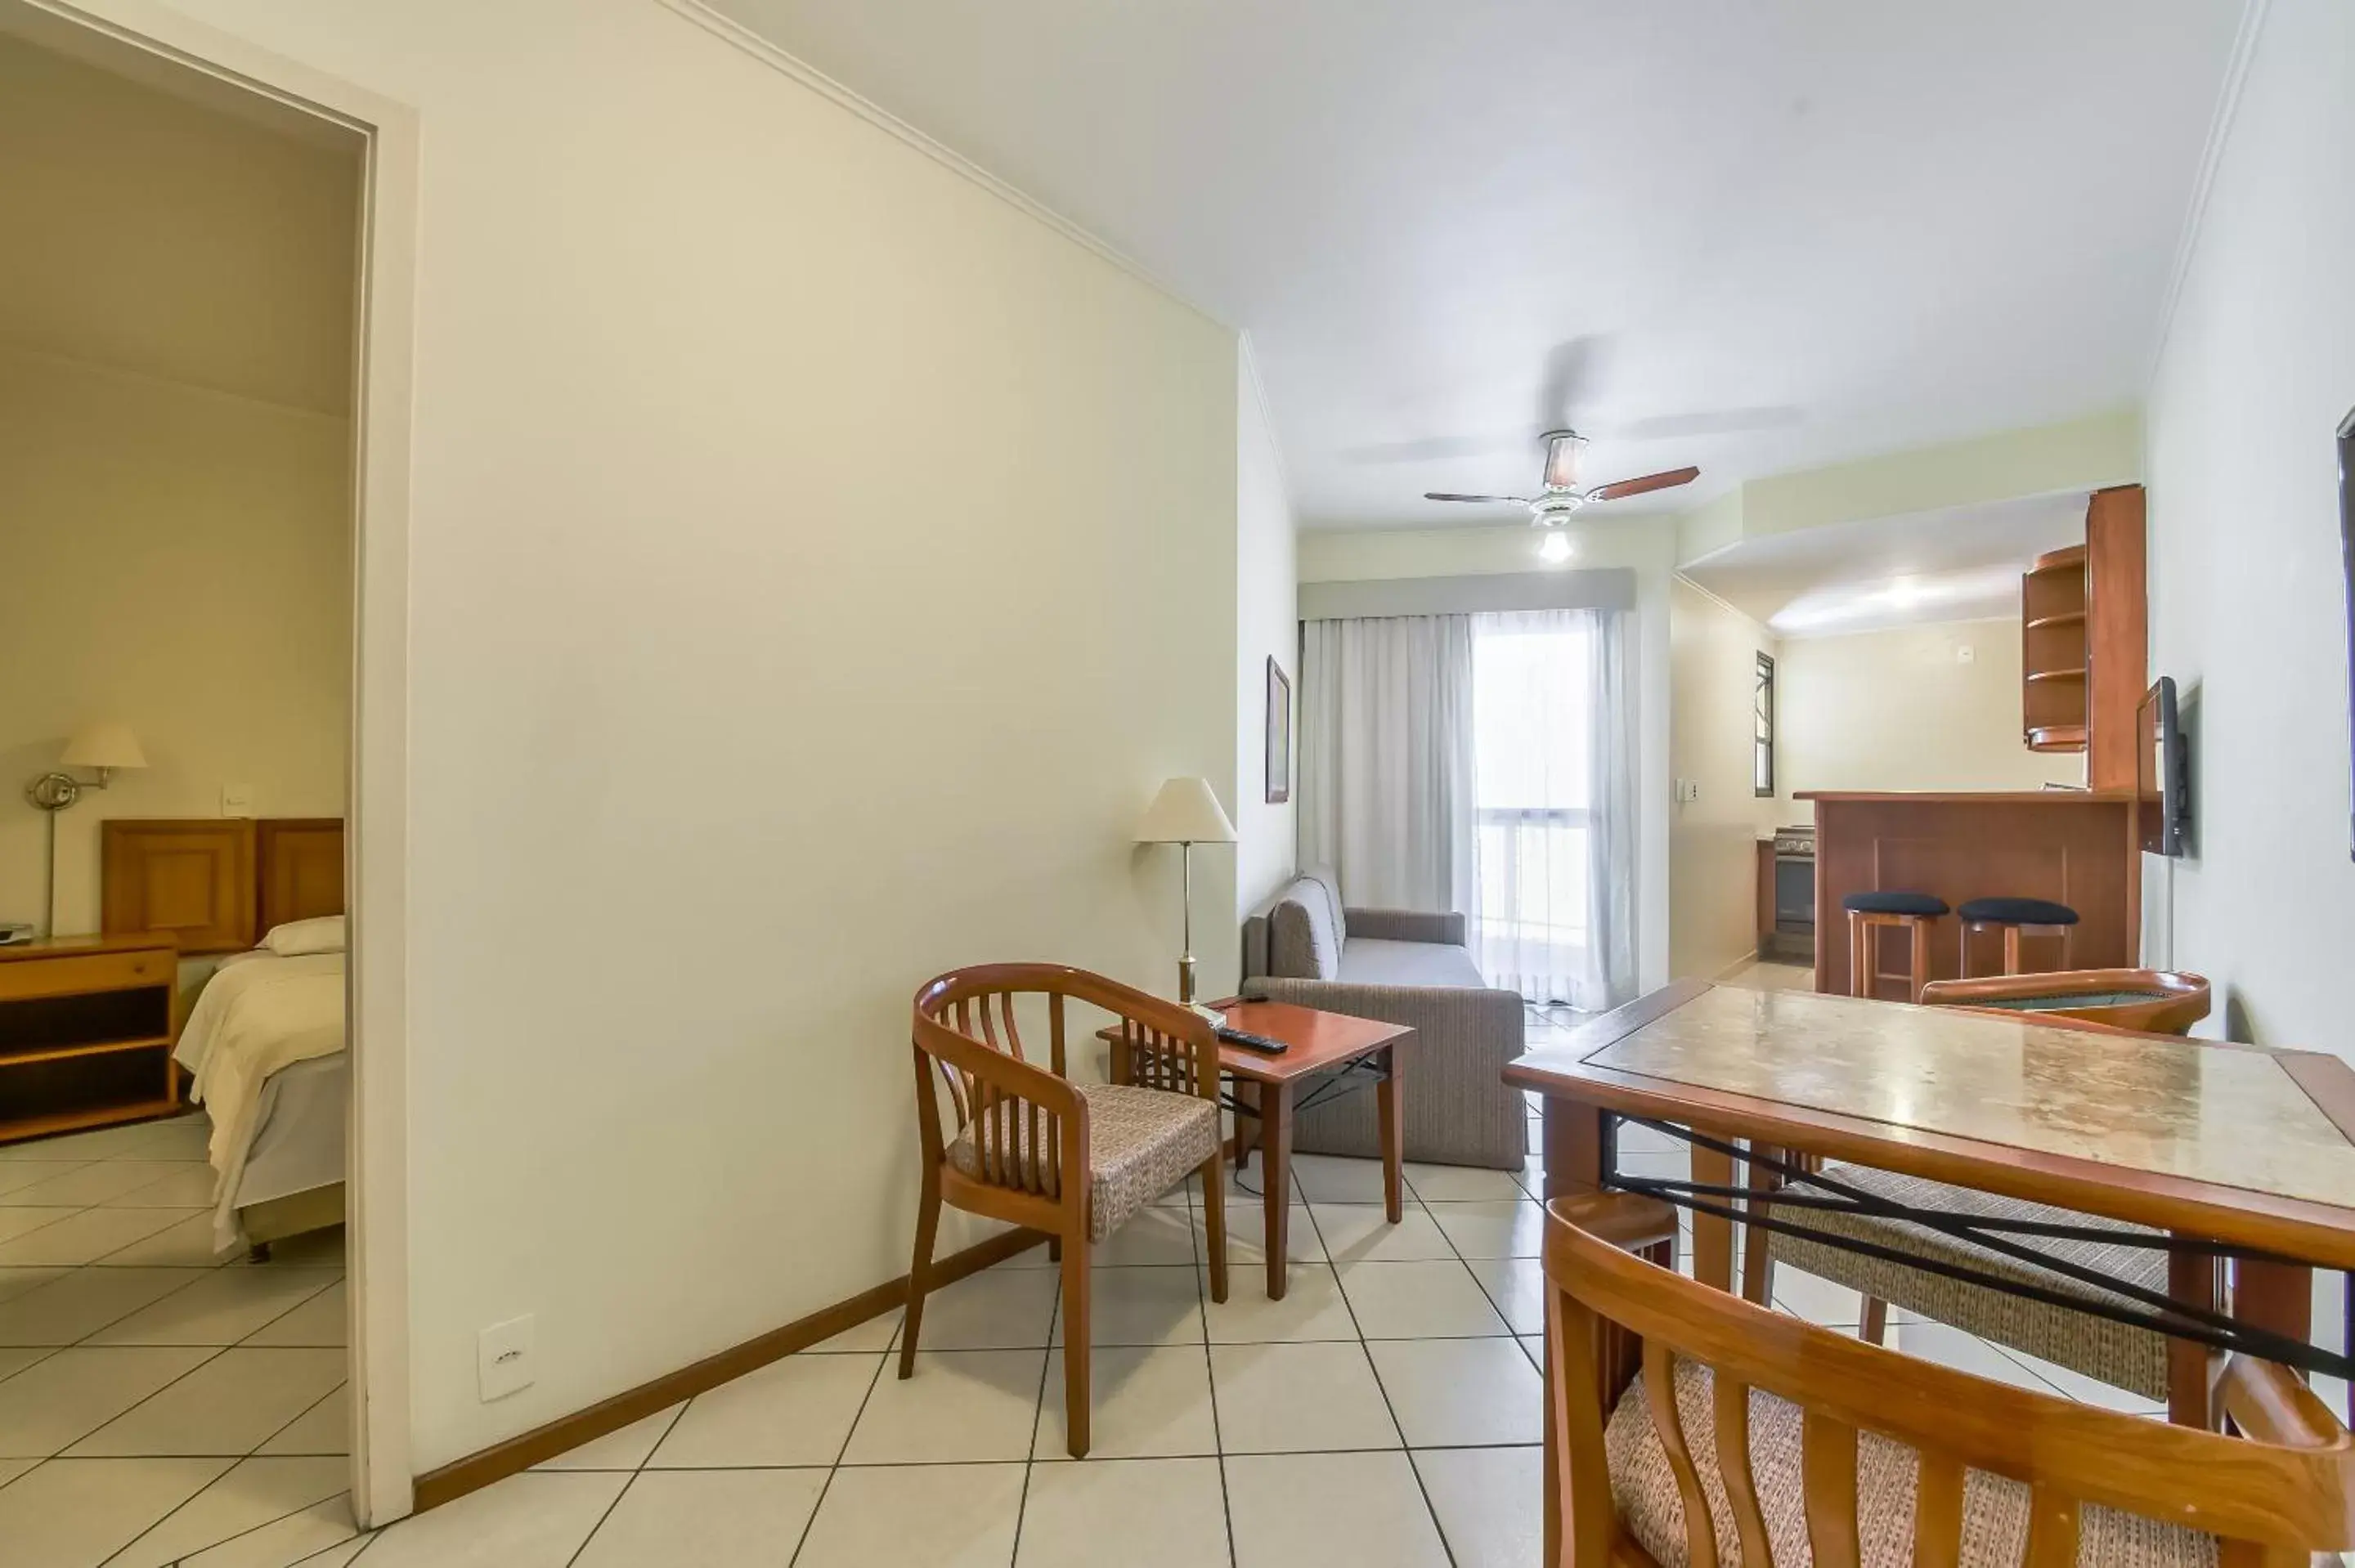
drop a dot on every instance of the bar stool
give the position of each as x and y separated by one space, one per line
2013 914
1868 912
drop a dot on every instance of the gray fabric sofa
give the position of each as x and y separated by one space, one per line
1401 967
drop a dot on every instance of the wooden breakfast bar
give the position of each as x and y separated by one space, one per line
2081 848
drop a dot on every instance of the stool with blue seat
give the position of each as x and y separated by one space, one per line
2014 915
1868 912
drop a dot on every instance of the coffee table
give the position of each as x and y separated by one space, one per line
1354 1051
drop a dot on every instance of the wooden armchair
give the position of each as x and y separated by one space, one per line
2154 1002
1753 1432
1032 1148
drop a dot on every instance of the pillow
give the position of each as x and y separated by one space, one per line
1326 877
1300 940
296 937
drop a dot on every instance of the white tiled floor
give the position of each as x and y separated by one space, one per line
159 1404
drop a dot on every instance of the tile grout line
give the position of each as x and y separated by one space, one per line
1202 1303
882 1365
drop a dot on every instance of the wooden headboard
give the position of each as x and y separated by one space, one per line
217 884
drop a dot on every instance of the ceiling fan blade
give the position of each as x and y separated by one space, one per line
1432 448
1442 495
1710 422
1650 481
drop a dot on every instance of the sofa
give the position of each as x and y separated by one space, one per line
1402 966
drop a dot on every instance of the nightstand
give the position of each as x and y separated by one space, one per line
86 1032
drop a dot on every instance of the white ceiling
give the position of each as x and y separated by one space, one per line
1961 563
1858 227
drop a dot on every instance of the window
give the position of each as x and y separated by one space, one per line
1762 738
1532 675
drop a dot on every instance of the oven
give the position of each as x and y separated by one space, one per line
1794 894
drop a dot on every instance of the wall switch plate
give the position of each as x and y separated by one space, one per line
1967 654
237 799
503 1358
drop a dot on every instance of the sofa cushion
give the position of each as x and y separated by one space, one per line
1326 877
1369 960
1300 941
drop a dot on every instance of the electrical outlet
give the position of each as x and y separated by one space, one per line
503 1358
237 799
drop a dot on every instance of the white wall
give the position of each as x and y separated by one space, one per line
2248 600
1900 710
796 613
1267 625
1712 841
1648 547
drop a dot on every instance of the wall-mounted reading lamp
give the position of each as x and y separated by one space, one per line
102 746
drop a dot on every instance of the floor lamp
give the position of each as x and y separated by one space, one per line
1186 813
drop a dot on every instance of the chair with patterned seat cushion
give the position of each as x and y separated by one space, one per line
1689 1428
1034 1149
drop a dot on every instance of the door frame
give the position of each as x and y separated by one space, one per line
376 837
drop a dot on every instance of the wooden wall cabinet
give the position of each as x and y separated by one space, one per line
2084 624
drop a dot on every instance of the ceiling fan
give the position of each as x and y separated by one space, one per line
1560 495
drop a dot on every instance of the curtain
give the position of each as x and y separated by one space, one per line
1554 805
1386 758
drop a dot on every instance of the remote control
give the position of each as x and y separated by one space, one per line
1249 1042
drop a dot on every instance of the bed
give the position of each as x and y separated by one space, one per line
264 1046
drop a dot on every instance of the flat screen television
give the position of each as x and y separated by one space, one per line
2164 774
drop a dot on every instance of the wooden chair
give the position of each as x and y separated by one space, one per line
2147 1002
1033 1147
1758 1439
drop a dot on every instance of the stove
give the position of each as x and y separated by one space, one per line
1795 892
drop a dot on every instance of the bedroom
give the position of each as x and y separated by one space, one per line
175 588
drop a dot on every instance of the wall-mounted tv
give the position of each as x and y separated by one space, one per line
2164 774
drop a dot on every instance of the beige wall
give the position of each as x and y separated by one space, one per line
179 559
174 534
2248 594
1267 625
1644 545
816 564
1901 710
1712 839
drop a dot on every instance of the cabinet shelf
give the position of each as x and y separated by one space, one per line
95 1048
2075 674
2066 617
2057 737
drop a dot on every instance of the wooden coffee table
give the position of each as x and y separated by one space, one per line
1354 1049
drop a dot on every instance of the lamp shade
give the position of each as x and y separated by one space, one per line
1186 812
107 745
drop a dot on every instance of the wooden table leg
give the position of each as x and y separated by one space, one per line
1757 1262
2276 1296
1573 1163
1393 1137
1246 1125
1712 1233
2192 1278
1276 1176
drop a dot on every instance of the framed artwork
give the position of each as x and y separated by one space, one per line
1279 733
2347 560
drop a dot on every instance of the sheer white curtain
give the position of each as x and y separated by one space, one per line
1386 758
1554 805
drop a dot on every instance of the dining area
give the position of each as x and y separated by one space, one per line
2143 1210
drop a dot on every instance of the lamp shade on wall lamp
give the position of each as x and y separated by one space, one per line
1187 811
107 745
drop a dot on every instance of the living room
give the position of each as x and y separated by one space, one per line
953 538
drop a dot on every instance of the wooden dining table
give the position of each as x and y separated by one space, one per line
2235 1151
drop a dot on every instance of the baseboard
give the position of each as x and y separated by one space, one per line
541 1444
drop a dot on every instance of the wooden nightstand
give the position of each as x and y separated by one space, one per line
86 1032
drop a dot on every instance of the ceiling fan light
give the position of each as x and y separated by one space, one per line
1555 548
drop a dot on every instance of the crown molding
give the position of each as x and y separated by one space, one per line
728 29
2220 131
1249 352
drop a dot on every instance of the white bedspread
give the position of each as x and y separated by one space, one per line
260 1013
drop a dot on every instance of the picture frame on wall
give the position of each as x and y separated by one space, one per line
2347 564
1279 733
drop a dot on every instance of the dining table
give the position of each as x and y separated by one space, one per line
2242 1156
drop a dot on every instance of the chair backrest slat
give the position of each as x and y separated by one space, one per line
2051 1527
1827 1474
1660 1389
1055 1032
1938 1512
1733 1467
